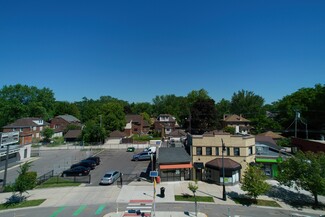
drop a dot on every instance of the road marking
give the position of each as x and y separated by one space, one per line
57 211
78 211
100 210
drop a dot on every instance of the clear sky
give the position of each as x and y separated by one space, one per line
135 50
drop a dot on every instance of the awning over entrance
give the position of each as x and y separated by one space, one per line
198 165
175 166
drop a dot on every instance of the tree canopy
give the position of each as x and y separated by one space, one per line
304 171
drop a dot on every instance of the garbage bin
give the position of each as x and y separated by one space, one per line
162 192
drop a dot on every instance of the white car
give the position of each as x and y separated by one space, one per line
110 177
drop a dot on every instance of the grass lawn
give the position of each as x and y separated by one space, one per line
258 202
27 203
57 182
191 198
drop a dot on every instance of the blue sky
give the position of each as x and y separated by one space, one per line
136 50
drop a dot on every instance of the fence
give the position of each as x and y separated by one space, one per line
45 177
77 179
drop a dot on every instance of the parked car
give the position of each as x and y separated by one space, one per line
84 164
76 171
92 162
110 177
130 149
150 149
145 155
94 158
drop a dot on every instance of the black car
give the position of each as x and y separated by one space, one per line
76 171
94 158
90 165
93 163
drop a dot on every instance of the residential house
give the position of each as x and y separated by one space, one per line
165 124
29 129
273 135
269 155
177 135
241 124
60 123
207 152
135 124
73 136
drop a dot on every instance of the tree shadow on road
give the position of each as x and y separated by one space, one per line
295 199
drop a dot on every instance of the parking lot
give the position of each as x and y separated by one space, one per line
59 160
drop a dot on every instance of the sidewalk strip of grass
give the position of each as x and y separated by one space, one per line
27 203
192 199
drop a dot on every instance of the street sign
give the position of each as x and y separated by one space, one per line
153 173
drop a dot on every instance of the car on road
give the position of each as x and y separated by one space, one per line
110 177
94 158
76 171
145 155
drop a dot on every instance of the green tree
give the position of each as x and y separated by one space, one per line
26 180
254 182
247 103
113 116
18 101
194 187
306 101
47 132
203 116
92 132
63 107
304 171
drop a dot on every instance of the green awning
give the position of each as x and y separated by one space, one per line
265 160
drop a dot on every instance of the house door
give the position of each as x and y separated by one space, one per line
198 175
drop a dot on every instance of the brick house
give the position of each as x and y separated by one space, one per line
135 124
241 124
60 123
29 129
206 151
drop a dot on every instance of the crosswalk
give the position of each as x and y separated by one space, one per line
80 211
139 207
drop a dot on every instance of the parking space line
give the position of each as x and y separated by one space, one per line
100 209
78 211
57 212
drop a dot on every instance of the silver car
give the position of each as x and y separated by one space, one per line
110 177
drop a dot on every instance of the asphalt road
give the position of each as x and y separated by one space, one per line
102 209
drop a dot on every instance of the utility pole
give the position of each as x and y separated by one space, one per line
224 196
296 120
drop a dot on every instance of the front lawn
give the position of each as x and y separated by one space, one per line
27 203
187 197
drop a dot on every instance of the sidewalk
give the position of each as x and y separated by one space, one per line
142 190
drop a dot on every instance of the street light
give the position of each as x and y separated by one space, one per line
224 196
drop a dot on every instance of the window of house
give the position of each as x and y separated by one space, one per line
228 151
236 151
217 151
250 150
208 150
198 150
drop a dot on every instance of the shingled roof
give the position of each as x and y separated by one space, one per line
27 122
234 118
173 156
